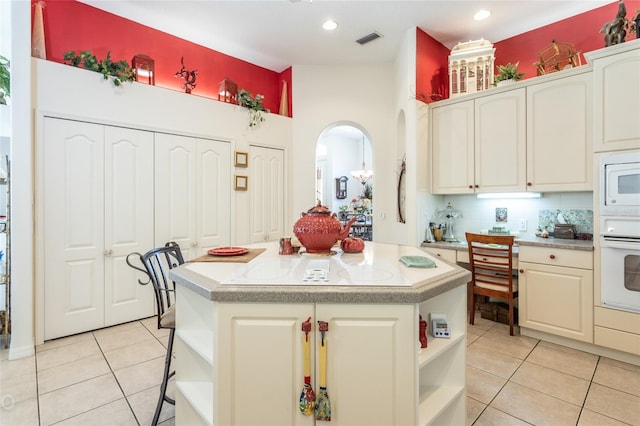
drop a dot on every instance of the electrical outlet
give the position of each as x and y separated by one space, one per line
523 224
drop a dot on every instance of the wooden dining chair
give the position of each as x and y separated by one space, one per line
157 263
491 262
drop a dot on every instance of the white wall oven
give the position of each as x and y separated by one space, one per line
620 265
619 204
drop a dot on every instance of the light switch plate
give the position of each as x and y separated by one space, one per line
523 224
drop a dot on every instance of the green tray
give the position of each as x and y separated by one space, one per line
418 261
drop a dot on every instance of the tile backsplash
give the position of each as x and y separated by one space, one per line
582 219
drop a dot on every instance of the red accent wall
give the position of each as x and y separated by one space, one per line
432 63
70 25
582 30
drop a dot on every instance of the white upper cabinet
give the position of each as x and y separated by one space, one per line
559 142
479 145
616 124
500 142
453 148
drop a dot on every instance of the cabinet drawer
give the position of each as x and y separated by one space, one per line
618 320
560 257
463 257
615 339
444 254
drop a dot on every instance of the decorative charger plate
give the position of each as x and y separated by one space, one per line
228 251
418 261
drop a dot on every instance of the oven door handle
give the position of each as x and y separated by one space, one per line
621 243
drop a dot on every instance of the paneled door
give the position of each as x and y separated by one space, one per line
192 192
128 221
98 208
266 193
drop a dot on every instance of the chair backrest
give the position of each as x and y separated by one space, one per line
491 262
157 263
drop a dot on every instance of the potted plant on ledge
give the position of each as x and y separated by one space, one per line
254 105
508 74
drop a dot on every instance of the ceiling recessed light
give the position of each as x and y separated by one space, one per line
330 25
482 14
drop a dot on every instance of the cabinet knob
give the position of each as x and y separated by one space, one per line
470 186
529 184
552 256
476 186
438 254
521 271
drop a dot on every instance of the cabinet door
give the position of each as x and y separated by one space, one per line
128 227
452 148
266 189
262 346
557 300
559 141
175 191
371 363
213 195
615 108
500 142
73 227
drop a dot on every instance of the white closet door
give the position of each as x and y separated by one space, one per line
175 191
213 199
128 221
73 223
266 187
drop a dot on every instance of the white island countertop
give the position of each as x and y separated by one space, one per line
374 276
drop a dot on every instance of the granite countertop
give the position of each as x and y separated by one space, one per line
373 276
522 241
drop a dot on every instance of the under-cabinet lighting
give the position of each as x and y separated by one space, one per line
510 195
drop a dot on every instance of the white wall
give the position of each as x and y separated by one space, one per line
357 95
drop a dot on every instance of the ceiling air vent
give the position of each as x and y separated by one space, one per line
369 38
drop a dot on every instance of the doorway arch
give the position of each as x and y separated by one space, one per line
341 149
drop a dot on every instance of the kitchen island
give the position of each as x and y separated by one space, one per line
239 339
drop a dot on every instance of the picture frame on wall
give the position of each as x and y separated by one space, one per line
241 159
241 183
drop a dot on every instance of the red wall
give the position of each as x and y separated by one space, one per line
582 30
432 63
70 25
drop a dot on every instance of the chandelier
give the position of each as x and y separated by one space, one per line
363 176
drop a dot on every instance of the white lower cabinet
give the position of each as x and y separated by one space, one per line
97 203
242 363
556 291
192 193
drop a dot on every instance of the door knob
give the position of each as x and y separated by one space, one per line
108 253
194 244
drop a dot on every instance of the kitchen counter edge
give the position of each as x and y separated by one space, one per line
419 292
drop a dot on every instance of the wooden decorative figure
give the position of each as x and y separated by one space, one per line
189 77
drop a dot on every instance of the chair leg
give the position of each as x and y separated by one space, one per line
472 308
511 316
165 380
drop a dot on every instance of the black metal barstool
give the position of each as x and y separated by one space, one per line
157 264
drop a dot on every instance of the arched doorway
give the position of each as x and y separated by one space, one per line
344 175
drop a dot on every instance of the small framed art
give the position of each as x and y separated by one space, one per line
241 183
241 159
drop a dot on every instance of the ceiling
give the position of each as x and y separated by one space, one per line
276 34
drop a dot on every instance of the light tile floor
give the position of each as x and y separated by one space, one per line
517 380
112 376
106 377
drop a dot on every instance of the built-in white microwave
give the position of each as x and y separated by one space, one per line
620 184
